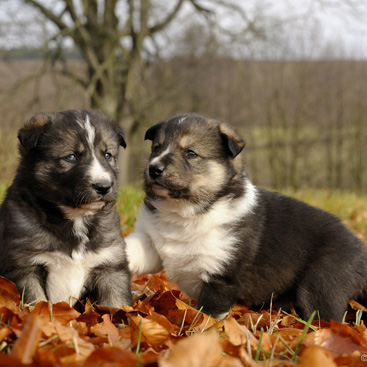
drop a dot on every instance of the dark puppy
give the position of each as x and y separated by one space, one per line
224 240
60 234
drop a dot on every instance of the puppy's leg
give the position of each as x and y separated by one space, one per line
31 282
329 304
216 298
141 254
110 285
323 290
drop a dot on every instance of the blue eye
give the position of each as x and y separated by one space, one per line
108 156
191 154
71 158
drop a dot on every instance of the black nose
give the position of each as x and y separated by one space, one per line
103 187
156 170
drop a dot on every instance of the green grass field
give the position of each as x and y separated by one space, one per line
350 207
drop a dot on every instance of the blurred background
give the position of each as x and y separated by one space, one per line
291 76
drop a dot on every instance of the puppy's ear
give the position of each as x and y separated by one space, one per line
121 135
231 140
152 131
32 130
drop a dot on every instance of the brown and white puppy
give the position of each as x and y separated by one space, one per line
224 241
60 234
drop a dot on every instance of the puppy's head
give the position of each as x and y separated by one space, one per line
193 158
70 158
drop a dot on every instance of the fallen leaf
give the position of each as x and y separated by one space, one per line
316 357
195 351
111 357
69 336
54 356
239 334
152 332
338 340
106 328
7 315
9 294
9 361
59 312
4 333
26 345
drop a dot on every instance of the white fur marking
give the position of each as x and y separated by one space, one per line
67 275
158 158
182 119
80 226
191 247
96 171
91 132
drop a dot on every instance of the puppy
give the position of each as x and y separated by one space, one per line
225 241
60 234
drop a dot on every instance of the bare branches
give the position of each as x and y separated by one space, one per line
158 27
57 20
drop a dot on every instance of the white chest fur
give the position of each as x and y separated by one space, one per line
67 274
193 247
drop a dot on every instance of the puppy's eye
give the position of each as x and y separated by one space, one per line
71 158
155 148
190 154
108 156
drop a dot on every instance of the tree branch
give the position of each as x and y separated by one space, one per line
49 14
169 18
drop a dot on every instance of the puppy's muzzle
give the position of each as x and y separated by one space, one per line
156 170
102 187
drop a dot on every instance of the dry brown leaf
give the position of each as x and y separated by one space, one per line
9 361
357 306
9 295
195 351
316 357
230 362
261 320
152 332
59 312
111 357
106 328
69 336
239 334
353 360
52 356
338 340
8 315
4 333
25 347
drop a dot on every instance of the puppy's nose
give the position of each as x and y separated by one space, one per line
103 187
156 170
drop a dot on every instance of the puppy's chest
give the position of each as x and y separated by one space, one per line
67 275
192 247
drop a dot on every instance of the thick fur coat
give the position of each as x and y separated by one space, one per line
60 235
224 241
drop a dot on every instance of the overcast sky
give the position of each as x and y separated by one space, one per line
301 26
342 23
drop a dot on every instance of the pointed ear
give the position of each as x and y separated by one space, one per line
32 130
231 140
152 131
121 135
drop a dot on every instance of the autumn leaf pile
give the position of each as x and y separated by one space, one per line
163 329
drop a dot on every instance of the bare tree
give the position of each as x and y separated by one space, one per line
117 39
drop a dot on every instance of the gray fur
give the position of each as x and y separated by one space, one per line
60 234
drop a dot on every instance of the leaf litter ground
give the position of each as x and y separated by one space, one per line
164 329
